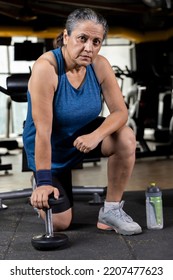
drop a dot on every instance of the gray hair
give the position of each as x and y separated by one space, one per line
80 15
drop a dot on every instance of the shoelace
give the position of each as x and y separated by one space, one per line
119 212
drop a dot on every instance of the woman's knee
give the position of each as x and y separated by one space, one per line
122 142
128 139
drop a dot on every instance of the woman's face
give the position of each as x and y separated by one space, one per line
84 42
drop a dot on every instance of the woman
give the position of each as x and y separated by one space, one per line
64 99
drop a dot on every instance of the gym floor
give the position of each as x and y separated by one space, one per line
19 222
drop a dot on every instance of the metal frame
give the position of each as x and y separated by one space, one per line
96 192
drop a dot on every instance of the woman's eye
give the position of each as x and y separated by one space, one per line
83 38
96 42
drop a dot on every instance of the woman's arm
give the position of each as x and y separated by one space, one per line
42 85
115 103
112 96
42 88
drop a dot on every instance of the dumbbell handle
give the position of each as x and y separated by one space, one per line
48 218
52 201
49 223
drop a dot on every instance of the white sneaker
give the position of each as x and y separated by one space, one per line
116 219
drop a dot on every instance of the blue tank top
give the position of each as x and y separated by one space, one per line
72 109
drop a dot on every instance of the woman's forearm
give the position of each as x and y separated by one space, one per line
112 123
42 152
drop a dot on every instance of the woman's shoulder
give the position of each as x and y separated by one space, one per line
45 62
45 68
102 63
100 59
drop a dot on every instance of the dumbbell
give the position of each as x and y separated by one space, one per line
50 240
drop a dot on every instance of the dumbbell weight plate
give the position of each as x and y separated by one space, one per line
42 242
58 240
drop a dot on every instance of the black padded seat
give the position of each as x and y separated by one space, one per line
17 91
17 86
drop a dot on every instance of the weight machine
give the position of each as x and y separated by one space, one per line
152 112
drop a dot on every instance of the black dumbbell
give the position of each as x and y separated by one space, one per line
50 240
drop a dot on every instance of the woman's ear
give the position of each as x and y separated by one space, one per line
65 37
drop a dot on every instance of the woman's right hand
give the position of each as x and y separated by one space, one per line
39 197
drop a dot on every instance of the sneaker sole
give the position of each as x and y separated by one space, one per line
123 232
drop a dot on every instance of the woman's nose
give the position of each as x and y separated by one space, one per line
88 46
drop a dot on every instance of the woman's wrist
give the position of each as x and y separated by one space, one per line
43 177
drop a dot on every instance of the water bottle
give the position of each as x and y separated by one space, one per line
154 209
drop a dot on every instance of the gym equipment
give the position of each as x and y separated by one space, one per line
17 87
138 117
150 106
5 167
50 240
97 194
14 194
16 91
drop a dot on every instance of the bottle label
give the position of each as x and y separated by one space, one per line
157 205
